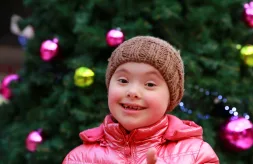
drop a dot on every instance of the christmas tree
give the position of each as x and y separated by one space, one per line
61 87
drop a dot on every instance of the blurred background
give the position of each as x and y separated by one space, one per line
53 57
11 53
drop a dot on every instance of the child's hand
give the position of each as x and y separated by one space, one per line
151 156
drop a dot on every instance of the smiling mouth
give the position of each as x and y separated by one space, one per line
132 107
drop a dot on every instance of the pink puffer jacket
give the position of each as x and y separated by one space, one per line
176 141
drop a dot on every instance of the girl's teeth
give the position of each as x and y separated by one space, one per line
130 107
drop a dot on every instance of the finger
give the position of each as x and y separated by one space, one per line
151 156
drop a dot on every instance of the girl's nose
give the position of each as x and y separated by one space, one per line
133 94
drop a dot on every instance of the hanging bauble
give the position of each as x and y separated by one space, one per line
49 49
83 77
114 37
33 139
248 14
237 134
4 88
247 55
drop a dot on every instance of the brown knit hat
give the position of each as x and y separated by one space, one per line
159 54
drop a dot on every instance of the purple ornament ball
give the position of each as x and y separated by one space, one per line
248 14
49 49
114 37
33 139
4 88
237 134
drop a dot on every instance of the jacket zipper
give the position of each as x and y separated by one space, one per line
128 149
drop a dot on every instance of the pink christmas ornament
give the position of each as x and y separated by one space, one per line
114 37
237 134
33 139
248 14
49 49
4 88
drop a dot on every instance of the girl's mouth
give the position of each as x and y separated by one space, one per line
132 107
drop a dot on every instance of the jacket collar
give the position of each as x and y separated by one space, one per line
116 132
168 128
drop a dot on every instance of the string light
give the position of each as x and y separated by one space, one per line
233 111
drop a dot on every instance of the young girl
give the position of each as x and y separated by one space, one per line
145 79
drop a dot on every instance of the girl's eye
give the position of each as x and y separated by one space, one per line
123 80
150 84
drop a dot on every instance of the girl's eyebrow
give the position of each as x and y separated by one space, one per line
122 70
156 73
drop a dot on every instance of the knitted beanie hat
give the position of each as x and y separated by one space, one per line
159 54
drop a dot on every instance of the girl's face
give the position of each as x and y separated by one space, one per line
138 95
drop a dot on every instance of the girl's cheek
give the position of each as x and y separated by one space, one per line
114 94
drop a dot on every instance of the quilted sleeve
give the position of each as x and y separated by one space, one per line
206 155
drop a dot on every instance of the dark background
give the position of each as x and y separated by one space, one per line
11 53
7 9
